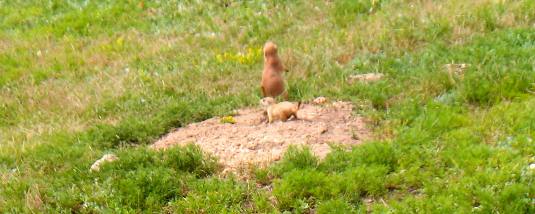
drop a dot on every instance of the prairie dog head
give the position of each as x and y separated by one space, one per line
267 101
271 57
270 50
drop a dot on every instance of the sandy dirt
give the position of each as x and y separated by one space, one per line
251 141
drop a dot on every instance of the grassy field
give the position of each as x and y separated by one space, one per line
79 79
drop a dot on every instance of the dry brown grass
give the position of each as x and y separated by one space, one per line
61 103
34 201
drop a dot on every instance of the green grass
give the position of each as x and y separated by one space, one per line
79 79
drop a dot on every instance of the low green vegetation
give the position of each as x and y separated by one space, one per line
80 79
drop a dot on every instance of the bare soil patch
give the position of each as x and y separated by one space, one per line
251 141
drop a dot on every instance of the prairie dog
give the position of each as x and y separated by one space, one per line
272 84
282 111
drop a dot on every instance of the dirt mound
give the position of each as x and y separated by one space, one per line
251 141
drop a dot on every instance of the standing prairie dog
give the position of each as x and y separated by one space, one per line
279 111
272 81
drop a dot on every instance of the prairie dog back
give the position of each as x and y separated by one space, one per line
282 111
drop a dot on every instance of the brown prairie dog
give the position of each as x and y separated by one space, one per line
272 81
279 111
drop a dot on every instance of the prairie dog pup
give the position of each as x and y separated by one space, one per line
272 84
282 111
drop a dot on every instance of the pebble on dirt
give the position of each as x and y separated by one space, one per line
319 100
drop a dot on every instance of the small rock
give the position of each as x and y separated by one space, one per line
366 78
107 158
319 100
322 129
253 146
